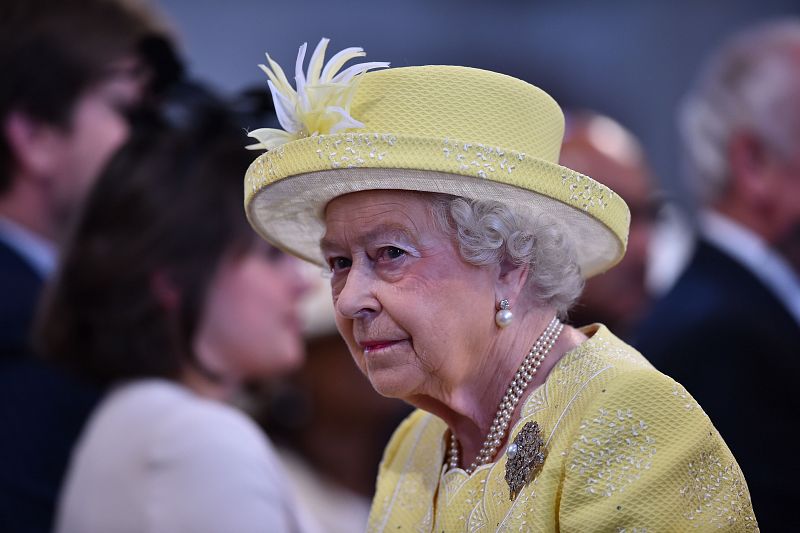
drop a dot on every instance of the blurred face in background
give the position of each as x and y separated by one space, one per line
601 148
784 172
97 127
782 175
251 327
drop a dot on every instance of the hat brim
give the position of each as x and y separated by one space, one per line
289 212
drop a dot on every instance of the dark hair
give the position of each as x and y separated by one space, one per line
168 205
52 51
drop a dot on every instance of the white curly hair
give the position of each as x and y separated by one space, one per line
489 232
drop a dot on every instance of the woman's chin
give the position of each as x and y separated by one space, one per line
292 360
392 383
278 363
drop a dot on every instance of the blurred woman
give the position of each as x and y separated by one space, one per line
167 298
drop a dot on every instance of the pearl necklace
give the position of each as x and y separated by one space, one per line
527 371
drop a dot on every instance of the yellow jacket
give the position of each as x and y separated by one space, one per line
628 449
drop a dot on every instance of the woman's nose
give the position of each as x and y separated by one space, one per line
356 298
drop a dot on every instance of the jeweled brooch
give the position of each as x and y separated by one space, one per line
525 458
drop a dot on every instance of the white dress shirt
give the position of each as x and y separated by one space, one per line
37 251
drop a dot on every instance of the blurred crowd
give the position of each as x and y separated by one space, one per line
143 323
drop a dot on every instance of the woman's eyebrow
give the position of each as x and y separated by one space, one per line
395 231
386 231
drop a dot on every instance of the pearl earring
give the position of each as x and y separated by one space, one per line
504 315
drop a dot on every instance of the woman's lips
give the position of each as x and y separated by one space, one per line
376 346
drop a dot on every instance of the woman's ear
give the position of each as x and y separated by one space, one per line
165 291
510 281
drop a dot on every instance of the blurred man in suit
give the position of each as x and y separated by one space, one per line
729 329
602 148
71 71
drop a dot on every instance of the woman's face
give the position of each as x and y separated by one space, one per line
412 312
251 327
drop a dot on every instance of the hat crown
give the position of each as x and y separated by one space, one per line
460 104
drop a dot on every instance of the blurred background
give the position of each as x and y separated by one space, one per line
628 59
620 69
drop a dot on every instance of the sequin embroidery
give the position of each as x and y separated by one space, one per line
612 451
684 398
716 494
479 159
586 192
354 149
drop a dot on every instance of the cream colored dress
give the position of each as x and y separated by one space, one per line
628 449
157 458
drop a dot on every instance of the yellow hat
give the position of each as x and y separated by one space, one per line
445 129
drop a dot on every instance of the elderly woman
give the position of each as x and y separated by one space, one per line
456 246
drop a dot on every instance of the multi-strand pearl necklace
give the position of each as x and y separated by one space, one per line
527 371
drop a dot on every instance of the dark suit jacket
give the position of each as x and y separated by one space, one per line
42 410
19 292
733 345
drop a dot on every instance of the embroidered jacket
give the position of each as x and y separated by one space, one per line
628 449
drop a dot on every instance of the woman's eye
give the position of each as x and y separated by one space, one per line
391 253
339 263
